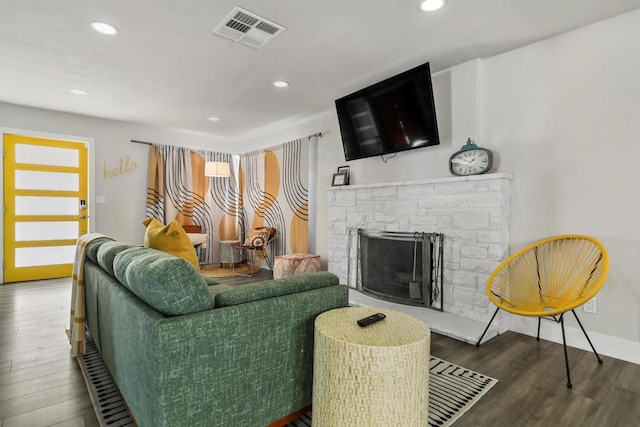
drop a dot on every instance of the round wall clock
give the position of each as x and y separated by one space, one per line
470 160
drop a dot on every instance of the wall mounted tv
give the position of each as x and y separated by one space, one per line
396 114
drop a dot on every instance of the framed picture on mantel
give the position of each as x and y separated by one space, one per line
339 179
344 170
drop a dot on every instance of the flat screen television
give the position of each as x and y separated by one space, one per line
396 114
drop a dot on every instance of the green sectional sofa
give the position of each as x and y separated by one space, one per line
185 352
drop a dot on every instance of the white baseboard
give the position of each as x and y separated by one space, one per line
605 345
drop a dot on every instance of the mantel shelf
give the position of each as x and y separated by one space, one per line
484 177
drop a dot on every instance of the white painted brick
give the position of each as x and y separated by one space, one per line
457 201
369 207
364 194
357 220
385 193
478 265
339 229
428 205
383 219
393 227
405 224
477 252
455 188
337 215
416 192
490 236
497 252
445 221
464 278
485 200
469 297
462 237
471 220
345 198
400 209
420 220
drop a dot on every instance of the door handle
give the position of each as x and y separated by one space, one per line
82 217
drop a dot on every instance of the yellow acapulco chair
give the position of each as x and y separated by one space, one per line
548 279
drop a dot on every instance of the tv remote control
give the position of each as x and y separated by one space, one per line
371 319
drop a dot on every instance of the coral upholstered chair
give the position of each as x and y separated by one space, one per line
548 279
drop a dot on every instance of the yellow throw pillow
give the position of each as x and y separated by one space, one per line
170 238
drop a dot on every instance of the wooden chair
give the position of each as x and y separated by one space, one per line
548 279
257 240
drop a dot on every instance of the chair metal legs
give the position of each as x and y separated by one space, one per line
587 336
566 356
250 264
564 340
487 328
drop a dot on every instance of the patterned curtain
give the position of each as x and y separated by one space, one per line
177 189
274 186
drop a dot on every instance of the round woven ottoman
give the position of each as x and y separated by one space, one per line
292 264
372 376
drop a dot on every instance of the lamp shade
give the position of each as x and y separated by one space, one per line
220 169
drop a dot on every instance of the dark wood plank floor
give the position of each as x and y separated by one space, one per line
41 385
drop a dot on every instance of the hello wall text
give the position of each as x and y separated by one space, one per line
125 165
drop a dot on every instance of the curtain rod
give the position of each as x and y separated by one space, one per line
135 141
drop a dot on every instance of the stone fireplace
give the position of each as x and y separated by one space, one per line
473 215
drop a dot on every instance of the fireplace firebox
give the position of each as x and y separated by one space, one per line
401 267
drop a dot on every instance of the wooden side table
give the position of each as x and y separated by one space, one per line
372 376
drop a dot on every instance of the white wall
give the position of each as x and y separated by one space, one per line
121 216
563 116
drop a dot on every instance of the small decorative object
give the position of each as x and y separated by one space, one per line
344 170
339 179
470 160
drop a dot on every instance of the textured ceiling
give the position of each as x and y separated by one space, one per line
167 68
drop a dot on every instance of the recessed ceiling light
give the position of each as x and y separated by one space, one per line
78 92
280 83
430 5
104 28
214 119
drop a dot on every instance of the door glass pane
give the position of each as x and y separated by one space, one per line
35 180
46 255
39 155
36 205
49 230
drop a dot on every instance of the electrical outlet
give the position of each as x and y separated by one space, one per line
590 306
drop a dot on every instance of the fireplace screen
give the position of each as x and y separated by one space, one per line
401 267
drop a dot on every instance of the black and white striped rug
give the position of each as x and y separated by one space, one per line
453 390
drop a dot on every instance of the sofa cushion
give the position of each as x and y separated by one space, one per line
107 252
170 238
275 288
167 283
91 251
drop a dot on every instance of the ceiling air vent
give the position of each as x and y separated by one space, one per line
248 28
